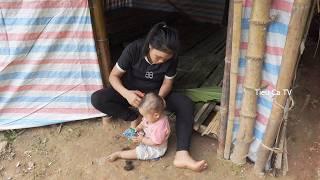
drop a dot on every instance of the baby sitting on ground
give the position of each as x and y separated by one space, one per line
152 132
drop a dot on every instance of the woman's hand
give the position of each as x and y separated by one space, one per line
134 97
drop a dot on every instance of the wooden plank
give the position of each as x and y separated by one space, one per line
202 114
200 111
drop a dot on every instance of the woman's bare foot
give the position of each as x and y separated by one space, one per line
106 121
184 160
114 156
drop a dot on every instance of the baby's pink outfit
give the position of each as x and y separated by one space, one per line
158 132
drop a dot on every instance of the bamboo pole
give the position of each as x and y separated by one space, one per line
101 39
225 87
289 59
236 38
255 54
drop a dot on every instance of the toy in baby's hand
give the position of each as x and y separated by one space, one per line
130 133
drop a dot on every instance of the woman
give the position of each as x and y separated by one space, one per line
150 65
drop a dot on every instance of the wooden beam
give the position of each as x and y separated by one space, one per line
235 55
101 39
225 87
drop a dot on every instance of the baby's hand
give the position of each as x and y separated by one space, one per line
138 138
138 129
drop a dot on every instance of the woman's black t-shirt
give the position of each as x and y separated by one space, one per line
140 73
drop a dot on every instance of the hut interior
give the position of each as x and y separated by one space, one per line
202 36
203 43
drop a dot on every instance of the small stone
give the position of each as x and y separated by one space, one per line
30 165
129 166
11 156
117 137
18 164
143 178
78 134
165 166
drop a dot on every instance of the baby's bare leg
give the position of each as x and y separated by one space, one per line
129 154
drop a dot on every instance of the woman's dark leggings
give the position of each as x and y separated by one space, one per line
110 102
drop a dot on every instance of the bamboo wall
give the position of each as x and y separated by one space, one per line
275 41
206 10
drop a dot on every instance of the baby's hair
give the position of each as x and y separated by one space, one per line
152 102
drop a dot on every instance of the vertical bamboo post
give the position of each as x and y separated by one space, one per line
255 55
225 86
101 40
289 60
236 38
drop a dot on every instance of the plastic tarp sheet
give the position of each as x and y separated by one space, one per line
48 63
276 39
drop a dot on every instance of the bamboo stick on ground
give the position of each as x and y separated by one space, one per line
279 142
255 55
236 38
101 39
213 125
225 87
285 166
289 59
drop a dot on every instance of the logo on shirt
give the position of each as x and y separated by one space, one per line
149 75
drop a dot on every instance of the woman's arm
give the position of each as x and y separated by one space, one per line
166 87
133 97
116 83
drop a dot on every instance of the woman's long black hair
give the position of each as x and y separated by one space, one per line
163 38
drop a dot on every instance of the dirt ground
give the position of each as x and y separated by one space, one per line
78 151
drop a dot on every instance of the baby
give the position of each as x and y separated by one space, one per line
152 132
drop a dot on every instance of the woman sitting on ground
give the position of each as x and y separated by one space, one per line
150 65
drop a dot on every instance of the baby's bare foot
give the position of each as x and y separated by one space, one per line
184 160
114 156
